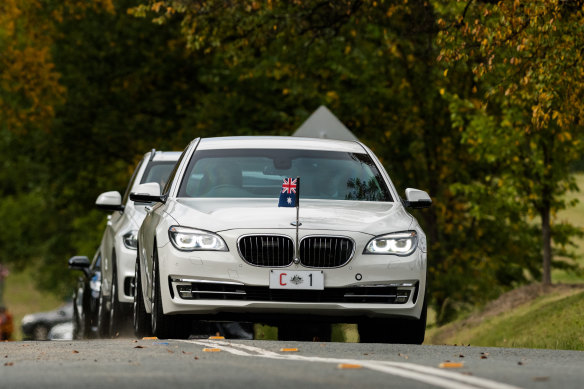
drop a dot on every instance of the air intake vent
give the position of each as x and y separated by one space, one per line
325 251
266 250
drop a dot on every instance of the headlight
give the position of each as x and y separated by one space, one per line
399 243
131 240
190 239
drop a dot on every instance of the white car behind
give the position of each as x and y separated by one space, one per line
118 245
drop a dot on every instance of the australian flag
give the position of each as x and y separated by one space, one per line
290 193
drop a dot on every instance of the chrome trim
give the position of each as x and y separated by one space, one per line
216 292
193 280
271 267
392 285
330 236
372 295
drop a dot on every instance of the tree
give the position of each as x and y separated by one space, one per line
522 112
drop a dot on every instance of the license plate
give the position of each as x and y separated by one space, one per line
291 279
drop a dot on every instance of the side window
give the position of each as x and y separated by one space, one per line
96 265
131 183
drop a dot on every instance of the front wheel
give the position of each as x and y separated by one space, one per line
142 326
404 331
102 318
164 326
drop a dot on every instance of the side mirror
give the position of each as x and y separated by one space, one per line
417 199
110 201
147 193
80 262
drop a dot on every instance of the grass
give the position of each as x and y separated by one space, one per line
574 216
21 298
552 321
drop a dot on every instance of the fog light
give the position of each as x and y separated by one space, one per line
184 291
402 296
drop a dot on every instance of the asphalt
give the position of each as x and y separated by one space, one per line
153 363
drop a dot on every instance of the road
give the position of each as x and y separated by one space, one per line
205 363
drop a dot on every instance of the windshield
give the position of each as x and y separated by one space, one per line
158 171
258 173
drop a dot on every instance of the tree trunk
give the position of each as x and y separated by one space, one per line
546 234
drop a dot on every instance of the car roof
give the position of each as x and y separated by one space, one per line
164 155
279 142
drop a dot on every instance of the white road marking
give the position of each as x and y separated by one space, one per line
429 375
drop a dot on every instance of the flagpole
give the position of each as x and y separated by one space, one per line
297 219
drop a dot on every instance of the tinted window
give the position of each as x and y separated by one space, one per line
251 173
158 171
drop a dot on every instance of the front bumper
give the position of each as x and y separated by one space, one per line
126 262
219 284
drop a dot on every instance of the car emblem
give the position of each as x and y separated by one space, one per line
296 280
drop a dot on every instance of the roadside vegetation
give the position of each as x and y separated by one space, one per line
529 317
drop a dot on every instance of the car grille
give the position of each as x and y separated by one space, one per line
278 251
323 251
267 250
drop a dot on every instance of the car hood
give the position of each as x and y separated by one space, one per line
227 214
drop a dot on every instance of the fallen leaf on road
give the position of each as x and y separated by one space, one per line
75 352
139 347
451 365
349 366
9 364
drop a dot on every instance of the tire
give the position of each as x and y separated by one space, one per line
113 330
40 332
404 331
78 330
164 326
102 317
142 325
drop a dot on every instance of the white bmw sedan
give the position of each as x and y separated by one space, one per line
217 246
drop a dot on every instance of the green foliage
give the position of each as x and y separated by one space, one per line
553 322
521 111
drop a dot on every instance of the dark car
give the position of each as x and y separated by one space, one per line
86 296
36 326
